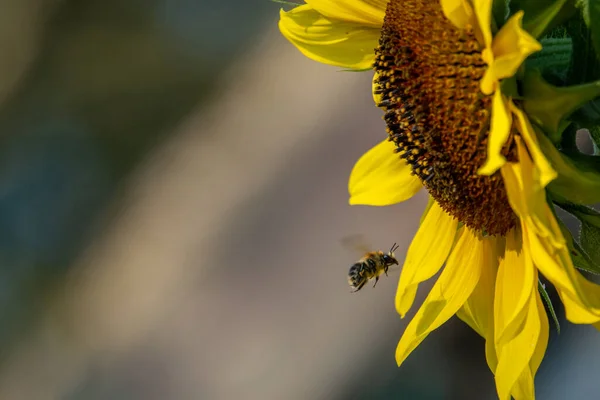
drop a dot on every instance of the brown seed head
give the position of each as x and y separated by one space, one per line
429 74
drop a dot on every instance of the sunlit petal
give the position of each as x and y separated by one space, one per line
511 46
329 41
459 12
381 178
524 388
543 236
527 197
430 202
516 278
426 255
488 83
515 354
478 311
547 173
499 131
483 13
540 349
364 12
580 297
454 286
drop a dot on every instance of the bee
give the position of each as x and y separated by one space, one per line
371 266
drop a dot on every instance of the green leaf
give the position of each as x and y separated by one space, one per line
558 32
595 135
578 179
583 5
589 236
585 63
588 115
581 260
568 141
549 106
590 240
500 12
544 294
590 11
541 16
554 60
594 10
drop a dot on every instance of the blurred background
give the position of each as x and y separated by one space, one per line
172 205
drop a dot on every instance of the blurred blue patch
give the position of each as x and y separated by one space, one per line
53 179
213 29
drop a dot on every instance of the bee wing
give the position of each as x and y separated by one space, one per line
357 243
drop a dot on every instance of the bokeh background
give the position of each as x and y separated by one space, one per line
172 206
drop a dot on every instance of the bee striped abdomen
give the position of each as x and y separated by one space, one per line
356 270
356 274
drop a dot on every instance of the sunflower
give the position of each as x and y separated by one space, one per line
446 79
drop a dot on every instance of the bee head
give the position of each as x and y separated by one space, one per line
390 258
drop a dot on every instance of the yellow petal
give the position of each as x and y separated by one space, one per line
363 12
329 41
483 13
450 292
514 284
489 83
527 197
515 355
459 12
426 254
499 131
380 178
540 350
513 184
543 236
576 310
478 311
511 46
523 389
430 203
547 173
580 297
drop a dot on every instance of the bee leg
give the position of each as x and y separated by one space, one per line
359 287
376 279
386 270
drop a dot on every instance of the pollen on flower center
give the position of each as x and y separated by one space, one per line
428 79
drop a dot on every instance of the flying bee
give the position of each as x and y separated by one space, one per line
371 266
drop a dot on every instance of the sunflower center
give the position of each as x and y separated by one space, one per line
428 79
